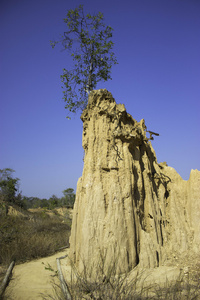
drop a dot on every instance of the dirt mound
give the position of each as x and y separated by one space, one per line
12 211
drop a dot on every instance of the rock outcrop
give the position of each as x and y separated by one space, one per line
128 207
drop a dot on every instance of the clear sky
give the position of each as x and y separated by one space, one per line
157 44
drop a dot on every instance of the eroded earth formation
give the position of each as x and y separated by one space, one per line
128 207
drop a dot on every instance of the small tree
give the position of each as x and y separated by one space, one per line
8 185
53 202
88 40
69 197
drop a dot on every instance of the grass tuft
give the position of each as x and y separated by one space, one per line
107 285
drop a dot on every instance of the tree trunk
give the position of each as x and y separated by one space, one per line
6 278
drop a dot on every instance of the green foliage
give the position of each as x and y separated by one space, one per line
69 197
9 195
8 185
49 268
88 40
51 203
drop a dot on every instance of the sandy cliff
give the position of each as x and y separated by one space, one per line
128 207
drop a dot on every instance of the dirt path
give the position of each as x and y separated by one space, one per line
31 279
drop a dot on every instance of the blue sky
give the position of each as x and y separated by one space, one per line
157 44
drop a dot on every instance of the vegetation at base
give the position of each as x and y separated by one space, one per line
105 284
31 235
88 40
31 227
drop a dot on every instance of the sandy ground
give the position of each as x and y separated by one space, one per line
31 279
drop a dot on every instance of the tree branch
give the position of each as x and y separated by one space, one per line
63 283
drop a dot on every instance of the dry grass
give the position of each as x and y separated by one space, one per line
106 285
36 235
40 235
